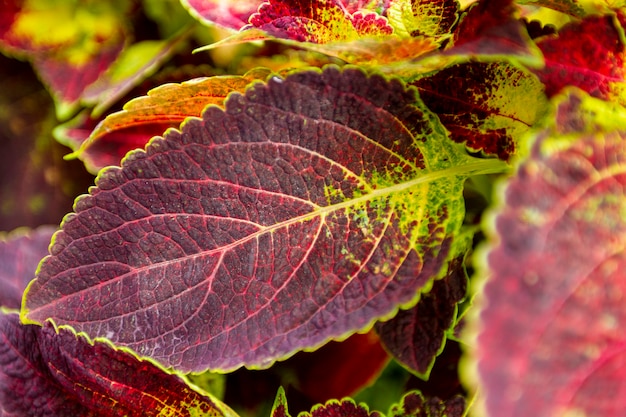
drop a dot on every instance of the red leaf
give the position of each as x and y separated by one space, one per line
588 54
551 339
487 106
345 367
491 28
321 21
43 373
415 337
300 214
20 254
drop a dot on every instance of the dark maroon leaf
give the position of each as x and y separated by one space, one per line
487 106
415 337
300 214
414 404
20 254
588 54
43 373
551 339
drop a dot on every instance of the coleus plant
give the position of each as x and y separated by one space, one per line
328 190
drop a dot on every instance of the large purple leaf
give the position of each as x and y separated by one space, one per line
551 339
43 373
312 206
20 254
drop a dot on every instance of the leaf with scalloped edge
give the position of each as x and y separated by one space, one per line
145 117
332 408
588 54
321 21
550 339
45 373
414 404
487 106
306 210
20 253
430 18
416 336
68 56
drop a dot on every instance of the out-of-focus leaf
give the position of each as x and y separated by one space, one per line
320 21
551 338
492 29
36 186
333 408
20 253
430 18
43 373
415 337
569 7
414 404
144 117
228 14
345 367
306 210
134 64
70 43
588 54
487 106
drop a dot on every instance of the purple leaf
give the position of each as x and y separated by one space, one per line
20 254
43 373
415 337
309 208
551 338
333 408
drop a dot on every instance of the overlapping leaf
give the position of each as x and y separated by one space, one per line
334 408
414 404
43 373
306 210
320 21
415 337
231 14
20 254
588 54
144 117
487 106
551 339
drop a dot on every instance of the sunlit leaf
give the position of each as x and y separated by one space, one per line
20 253
487 106
551 329
309 208
321 21
43 373
588 54
414 404
411 18
415 337
334 408
569 7
228 14
144 117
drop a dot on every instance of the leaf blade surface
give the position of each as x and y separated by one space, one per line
310 207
